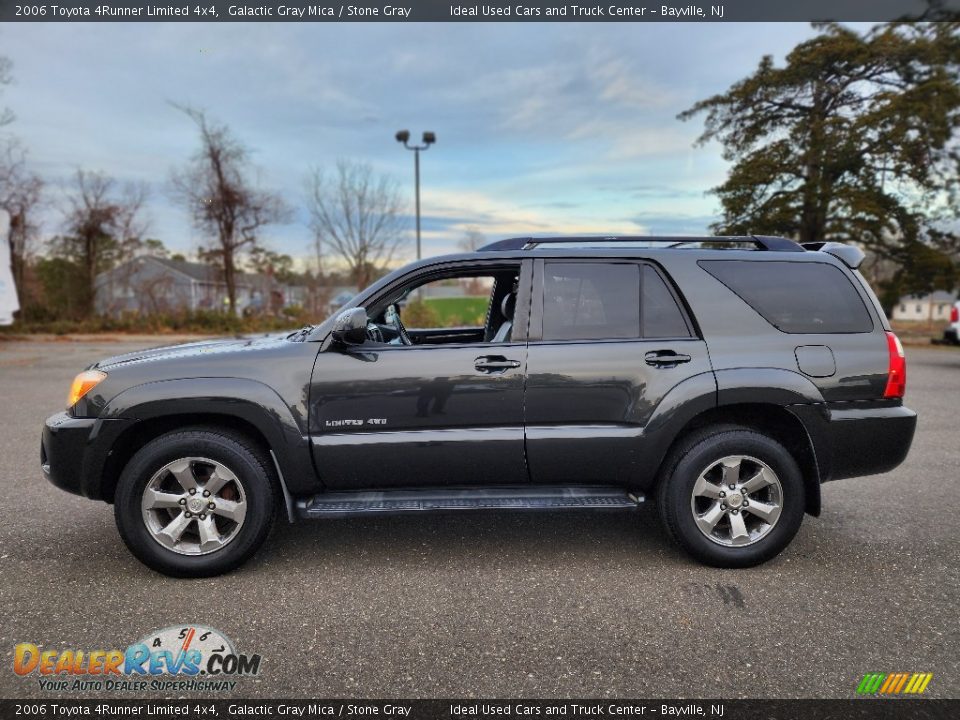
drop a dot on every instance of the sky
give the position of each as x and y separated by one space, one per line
541 128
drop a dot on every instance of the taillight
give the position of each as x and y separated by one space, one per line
897 371
954 314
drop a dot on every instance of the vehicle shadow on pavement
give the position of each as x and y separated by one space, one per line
472 537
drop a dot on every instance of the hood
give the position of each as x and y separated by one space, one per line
200 348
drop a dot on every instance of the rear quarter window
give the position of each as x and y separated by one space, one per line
795 297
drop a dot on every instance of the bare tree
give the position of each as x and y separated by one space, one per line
103 228
223 202
20 192
358 216
472 240
6 65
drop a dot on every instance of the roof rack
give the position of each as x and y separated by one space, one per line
763 242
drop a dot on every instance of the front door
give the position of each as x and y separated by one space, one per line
444 411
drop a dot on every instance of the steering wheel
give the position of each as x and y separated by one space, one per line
401 330
374 333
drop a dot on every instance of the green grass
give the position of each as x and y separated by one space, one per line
455 311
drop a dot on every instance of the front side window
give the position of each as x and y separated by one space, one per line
591 301
464 305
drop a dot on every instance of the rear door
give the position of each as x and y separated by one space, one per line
608 339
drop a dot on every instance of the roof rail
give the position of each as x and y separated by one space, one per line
763 242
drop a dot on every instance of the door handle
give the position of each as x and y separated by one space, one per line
665 358
494 363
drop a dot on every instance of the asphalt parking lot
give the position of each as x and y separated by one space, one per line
507 605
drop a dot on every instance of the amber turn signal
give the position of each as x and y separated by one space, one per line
82 384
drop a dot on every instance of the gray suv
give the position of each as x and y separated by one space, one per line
724 378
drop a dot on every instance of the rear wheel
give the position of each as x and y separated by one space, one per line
731 497
195 503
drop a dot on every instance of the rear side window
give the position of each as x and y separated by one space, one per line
662 317
591 301
800 297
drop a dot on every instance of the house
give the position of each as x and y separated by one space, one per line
925 307
150 284
340 295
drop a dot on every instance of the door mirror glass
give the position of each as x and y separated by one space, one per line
350 327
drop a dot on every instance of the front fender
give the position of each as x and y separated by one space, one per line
249 400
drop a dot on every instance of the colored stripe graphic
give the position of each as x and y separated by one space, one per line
888 683
894 683
871 683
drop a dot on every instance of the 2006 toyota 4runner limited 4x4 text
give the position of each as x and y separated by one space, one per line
725 377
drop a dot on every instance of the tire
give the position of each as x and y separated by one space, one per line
153 501
703 466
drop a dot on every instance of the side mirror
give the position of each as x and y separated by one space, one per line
350 327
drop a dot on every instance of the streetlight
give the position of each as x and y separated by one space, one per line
429 138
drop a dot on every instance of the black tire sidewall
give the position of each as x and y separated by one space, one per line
238 458
709 449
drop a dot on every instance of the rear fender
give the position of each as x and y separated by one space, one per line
798 395
773 386
684 401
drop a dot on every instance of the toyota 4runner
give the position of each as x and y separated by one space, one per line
725 378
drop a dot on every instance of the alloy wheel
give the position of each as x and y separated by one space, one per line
194 506
737 500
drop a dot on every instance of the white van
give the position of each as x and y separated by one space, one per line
8 291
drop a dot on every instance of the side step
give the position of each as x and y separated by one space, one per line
387 502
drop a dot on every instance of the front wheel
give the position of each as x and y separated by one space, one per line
195 503
731 497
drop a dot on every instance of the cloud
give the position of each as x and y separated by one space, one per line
542 128
499 215
675 224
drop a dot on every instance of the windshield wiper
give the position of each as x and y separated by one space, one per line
301 334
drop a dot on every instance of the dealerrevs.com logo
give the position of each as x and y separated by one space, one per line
177 658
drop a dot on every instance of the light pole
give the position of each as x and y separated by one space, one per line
429 138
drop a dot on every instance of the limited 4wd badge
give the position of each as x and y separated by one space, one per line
176 658
354 422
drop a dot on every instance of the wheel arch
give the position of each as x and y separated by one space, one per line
774 421
244 407
142 432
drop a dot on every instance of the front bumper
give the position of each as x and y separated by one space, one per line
74 452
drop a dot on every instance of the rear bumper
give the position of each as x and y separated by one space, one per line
867 441
950 335
73 452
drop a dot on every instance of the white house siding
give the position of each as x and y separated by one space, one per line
918 309
150 285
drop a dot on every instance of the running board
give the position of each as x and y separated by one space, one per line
388 502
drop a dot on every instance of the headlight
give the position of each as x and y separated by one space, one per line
82 384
